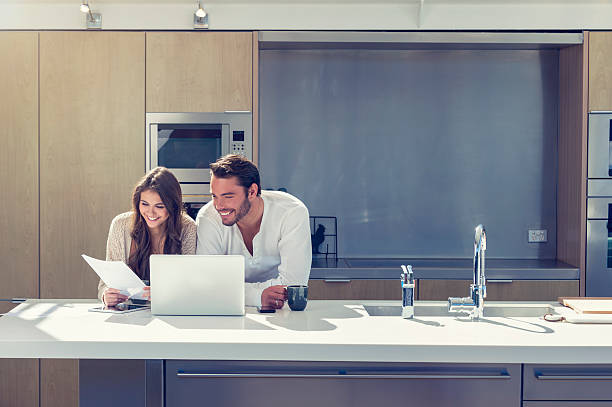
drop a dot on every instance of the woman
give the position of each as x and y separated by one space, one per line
156 225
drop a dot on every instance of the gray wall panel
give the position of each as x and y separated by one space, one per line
412 149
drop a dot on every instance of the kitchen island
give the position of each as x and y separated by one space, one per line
334 352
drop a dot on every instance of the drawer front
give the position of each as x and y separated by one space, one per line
108 381
335 289
567 382
321 384
567 403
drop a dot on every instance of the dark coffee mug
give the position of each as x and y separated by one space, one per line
297 296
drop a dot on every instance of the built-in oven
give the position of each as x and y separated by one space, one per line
599 206
600 145
599 247
186 144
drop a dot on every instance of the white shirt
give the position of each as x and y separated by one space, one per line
282 252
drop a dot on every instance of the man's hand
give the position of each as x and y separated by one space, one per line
112 297
274 296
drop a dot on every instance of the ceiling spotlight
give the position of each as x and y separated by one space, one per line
93 20
200 11
200 17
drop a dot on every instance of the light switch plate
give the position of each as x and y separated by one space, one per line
537 236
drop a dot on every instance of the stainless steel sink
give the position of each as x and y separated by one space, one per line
440 309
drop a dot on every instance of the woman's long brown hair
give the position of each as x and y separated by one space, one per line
162 181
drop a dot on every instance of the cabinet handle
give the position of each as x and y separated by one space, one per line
237 111
502 375
336 281
499 281
574 377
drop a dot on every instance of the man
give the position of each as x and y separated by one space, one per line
271 229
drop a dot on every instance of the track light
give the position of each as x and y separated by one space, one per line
200 17
93 20
200 11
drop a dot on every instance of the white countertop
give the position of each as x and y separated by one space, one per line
326 331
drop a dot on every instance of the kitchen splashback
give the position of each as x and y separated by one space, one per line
412 149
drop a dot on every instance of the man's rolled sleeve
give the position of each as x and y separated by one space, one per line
295 248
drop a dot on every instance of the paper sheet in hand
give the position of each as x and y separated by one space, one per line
117 274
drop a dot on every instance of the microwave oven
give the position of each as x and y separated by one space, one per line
186 144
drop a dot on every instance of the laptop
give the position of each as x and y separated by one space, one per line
197 284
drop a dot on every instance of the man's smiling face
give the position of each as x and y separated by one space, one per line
230 199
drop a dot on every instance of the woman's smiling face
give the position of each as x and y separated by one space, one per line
152 209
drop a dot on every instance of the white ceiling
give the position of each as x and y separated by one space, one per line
320 2
314 14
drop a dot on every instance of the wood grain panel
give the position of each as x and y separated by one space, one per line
19 382
572 150
19 198
600 74
199 71
6 307
91 149
19 164
518 290
256 97
18 377
59 382
355 290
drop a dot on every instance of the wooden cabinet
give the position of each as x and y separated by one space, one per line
70 167
19 164
19 382
600 74
59 382
92 95
572 156
517 290
440 290
18 377
199 71
91 149
354 290
19 186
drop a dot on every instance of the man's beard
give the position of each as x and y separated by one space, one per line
244 208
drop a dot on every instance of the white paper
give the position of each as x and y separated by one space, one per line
117 274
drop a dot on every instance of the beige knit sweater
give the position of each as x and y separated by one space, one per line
119 241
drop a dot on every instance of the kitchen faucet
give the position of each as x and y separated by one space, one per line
478 288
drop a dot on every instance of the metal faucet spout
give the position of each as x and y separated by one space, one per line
478 288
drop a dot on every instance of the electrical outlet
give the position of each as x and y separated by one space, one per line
537 236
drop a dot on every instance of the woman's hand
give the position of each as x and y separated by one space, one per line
112 297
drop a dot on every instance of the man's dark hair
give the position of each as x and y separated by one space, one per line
234 165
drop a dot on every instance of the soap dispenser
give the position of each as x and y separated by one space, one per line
407 292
